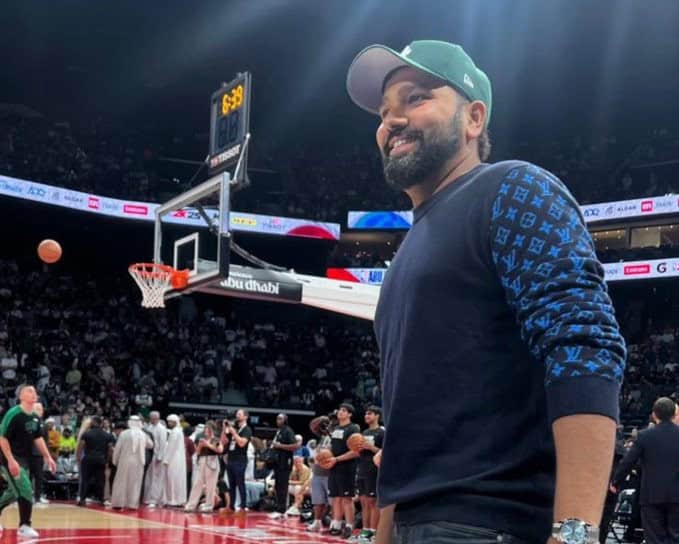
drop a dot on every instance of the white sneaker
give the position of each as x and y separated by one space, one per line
26 531
292 511
205 508
43 500
315 527
276 515
151 505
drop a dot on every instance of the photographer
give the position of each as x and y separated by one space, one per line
320 426
285 444
239 438
209 449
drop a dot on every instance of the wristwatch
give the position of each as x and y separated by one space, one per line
575 531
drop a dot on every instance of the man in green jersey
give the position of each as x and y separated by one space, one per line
19 431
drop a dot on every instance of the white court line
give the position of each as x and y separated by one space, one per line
180 527
207 529
57 538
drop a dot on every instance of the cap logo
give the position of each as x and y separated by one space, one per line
468 81
406 51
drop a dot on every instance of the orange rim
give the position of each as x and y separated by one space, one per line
177 278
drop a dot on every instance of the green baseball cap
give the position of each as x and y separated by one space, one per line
446 61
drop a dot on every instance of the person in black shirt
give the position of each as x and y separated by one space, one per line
92 452
19 430
239 439
366 479
285 443
657 449
37 463
342 480
495 302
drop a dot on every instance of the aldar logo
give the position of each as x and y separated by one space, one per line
647 206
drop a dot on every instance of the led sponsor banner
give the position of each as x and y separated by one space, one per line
606 211
632 270
249 222
641 270
370 276
380 220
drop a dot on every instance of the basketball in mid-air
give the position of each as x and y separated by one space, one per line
49 251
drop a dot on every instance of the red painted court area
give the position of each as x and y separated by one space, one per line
65 522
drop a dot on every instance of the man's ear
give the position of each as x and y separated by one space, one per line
475 119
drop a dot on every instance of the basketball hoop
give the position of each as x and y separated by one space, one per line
155 280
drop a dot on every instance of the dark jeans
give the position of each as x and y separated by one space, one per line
236 471
92 477
661 523
36 475
444 532
282 476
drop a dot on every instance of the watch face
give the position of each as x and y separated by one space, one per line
574 532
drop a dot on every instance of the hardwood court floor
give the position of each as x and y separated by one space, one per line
66 523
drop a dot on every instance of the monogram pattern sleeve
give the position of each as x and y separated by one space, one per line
547 265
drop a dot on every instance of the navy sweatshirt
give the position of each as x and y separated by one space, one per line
493 321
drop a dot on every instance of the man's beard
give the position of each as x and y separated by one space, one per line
428 158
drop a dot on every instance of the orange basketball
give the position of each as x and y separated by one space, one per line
49 251
323 456
355 441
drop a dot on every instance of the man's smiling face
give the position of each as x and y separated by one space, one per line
421 129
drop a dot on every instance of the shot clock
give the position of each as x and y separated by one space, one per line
229 122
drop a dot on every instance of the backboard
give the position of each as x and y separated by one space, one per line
192 231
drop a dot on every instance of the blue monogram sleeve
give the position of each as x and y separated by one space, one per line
546 263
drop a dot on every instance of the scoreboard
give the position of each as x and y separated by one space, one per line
229 123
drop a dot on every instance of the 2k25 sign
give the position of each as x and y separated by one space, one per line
646 206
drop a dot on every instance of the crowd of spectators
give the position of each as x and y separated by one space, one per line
313 181
91 349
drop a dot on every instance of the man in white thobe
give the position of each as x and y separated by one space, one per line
129 455
155 476
175 461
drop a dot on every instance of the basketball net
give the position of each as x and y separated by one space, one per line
155 280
